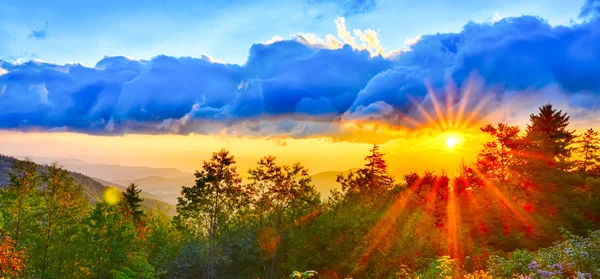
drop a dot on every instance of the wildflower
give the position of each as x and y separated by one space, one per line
558 269
533 265
582 275
544 273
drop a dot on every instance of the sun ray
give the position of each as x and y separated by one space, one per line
425 114
492 189
450 94
436 106
379 232
463 103
476 111
452 215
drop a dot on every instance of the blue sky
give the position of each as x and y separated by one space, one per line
86 31
293 68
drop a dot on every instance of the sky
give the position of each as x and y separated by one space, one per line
165 83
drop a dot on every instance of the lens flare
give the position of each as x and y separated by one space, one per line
112 195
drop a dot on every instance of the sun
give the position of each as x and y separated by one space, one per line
452 141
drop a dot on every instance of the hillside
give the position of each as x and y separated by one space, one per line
326 181
92 188
168 189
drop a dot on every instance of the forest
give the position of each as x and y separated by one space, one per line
527 207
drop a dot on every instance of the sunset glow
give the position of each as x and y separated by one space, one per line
321 139
451 141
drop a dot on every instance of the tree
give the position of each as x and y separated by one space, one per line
372 178
64 209
207 208
498 155
132 202
589 145
110 237
12 261
20 198
548 138
283 194
376 170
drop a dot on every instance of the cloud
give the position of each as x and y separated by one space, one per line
351 7
591 8
307 86
39 34
357 39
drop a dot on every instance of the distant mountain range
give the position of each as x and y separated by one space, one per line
93 188
165 183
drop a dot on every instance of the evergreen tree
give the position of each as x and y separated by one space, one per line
132 202
589 151
548 138
371 178
498 155
376 170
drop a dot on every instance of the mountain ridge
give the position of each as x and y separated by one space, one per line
92 188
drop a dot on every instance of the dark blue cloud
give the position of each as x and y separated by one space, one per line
39 34
298 89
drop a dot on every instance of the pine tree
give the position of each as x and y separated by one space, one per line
498 155
132 202
372 177
548 138
589 150
377 169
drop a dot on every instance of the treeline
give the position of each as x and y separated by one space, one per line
523 190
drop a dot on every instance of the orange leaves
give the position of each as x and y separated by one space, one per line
268 239
12 261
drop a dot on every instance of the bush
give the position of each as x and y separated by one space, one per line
575 257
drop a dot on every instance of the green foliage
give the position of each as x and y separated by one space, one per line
441 268
111 239
306 274
132 202
575 256
208 208
140 269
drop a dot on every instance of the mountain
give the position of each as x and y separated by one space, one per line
92 188
127 173
111 172
166 189
326 181
161 184
144 194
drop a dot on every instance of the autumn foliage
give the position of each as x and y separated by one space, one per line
12 261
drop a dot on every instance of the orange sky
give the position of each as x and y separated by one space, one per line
423 150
